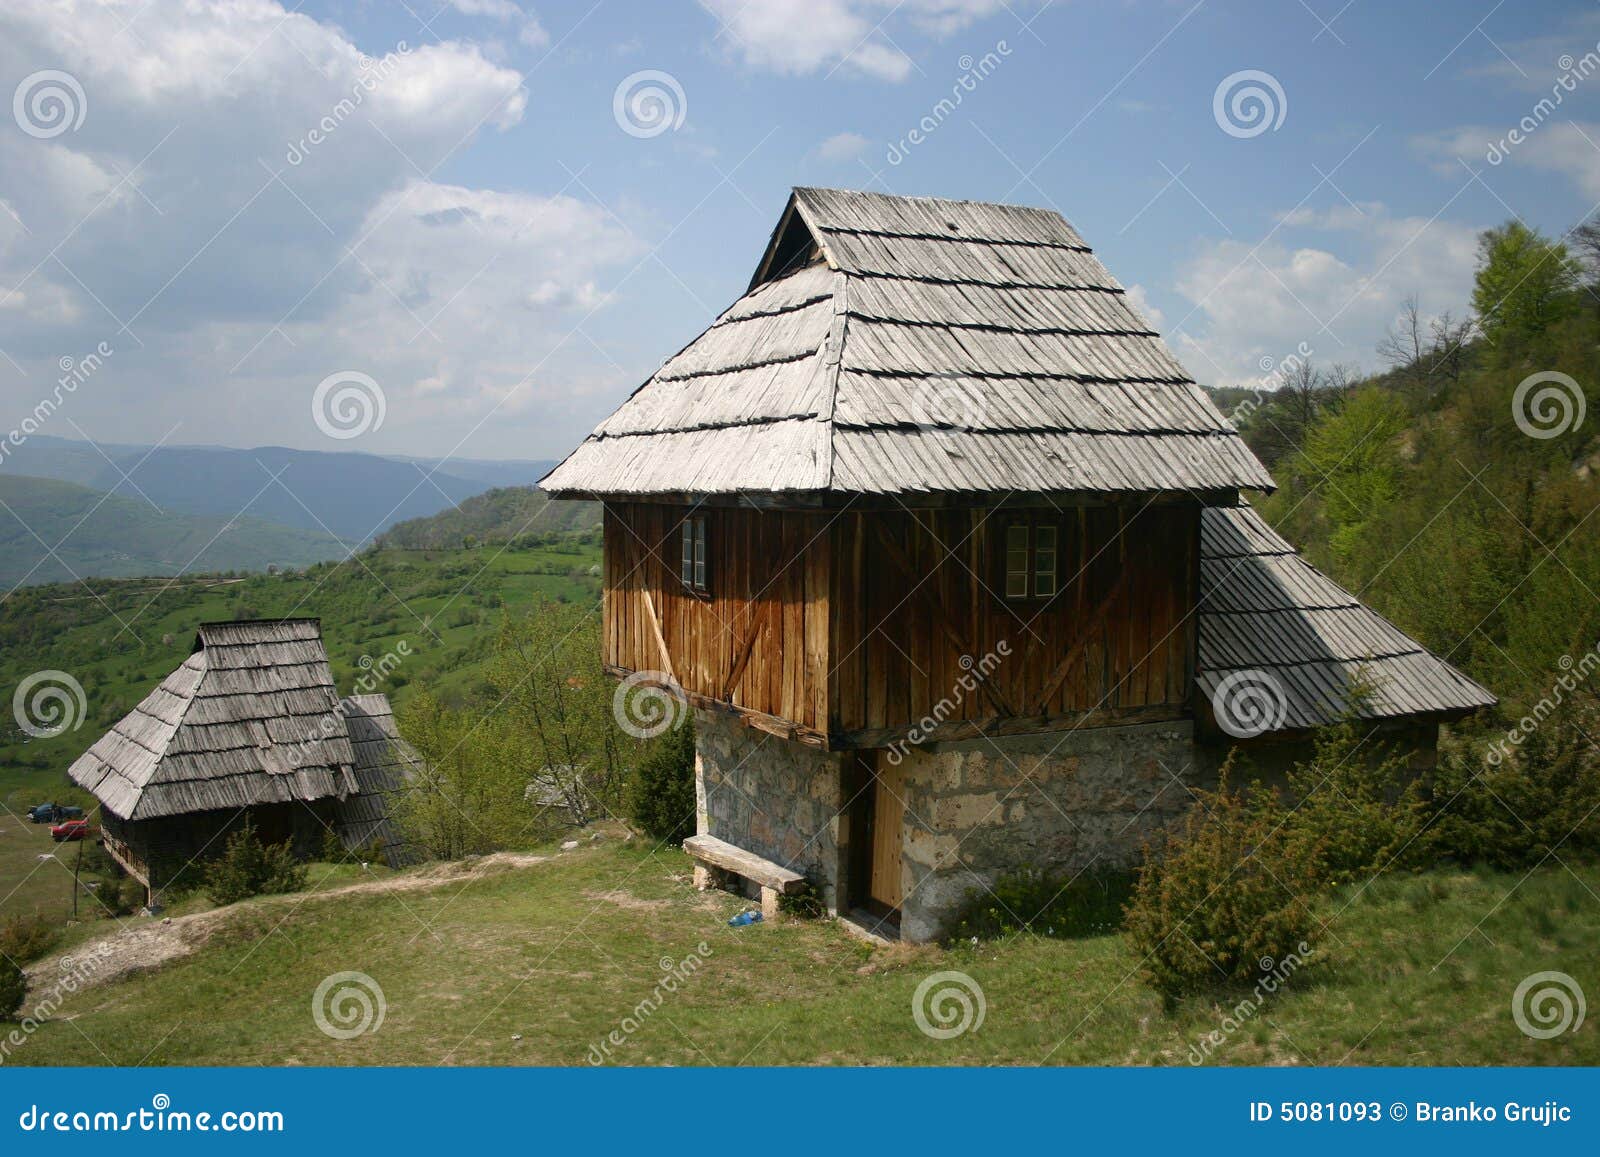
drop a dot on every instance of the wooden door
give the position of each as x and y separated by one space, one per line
888 826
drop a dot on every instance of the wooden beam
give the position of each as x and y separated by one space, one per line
760 720
957 730
940 614
758 623
655 629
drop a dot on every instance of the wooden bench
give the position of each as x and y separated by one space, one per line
714 857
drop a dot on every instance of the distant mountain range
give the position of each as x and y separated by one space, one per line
343 494
54 531
278 505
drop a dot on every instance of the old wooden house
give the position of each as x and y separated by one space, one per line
249 727
948 552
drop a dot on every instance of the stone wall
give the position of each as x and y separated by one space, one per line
771 796
1058 802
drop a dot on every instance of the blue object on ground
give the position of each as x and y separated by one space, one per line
745 918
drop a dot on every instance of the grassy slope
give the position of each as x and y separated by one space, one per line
116 537
560 953
367 606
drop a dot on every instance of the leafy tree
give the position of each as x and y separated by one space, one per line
1524 285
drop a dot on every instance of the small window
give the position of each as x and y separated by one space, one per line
1032 560
1017 561
1044 562
693 571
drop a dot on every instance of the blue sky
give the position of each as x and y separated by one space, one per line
480 239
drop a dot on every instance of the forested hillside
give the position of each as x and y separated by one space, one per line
1456 491
497 516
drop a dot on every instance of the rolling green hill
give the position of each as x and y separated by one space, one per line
496 516
53 531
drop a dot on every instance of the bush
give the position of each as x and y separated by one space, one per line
13 988
122 895
26 938
1065 907
248 868
661 792
1510 808
1356 809
1225 899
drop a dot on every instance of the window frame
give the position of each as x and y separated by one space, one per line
1039 575
694 565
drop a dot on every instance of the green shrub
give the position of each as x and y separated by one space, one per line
247 867
661 791
13 988
1511 807
1356 808
1225 899
26 938
805 903
1064 907
122 895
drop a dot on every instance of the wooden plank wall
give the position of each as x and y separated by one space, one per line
768 573
906 611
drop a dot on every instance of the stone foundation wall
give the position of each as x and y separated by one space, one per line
1058 802
771 796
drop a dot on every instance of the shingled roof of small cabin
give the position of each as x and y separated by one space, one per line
251 717
906 345
1266 612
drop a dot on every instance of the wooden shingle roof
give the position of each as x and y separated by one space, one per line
251 717
385 766
1265 609
906 345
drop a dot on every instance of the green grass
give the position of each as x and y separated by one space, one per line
536 965
445 604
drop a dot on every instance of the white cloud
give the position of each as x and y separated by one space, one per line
249 194
531 32
1251 305
842 147
796 37
1565 147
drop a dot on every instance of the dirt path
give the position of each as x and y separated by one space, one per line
140 943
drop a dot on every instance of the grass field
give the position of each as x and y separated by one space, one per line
539 964
123 637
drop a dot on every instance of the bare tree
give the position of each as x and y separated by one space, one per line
1405 342
1447 343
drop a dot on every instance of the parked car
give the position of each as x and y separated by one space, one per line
54 813
70 830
